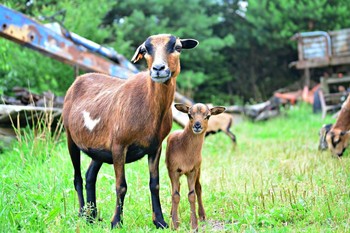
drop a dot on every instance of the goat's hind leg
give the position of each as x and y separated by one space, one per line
91 176
74 152
232 136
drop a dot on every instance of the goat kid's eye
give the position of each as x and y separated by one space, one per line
189 116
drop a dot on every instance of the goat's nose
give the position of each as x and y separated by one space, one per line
197 125
158 67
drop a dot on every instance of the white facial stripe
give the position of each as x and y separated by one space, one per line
90 123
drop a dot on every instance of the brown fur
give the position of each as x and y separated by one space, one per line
222 122
338 137
184 156
135 113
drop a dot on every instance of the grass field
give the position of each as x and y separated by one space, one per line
274 181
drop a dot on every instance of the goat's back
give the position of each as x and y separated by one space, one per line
222 122
99 109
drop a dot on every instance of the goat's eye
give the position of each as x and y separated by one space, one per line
178 48
189 116
207 117
143 50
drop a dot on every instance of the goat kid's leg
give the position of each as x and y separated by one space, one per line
119 153
232 136
91 176
175 198
153 164
191 180
198 188
78 180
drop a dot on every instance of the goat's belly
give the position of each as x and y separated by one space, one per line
133 154
104 156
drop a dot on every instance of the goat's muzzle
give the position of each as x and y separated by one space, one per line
160 73
197 128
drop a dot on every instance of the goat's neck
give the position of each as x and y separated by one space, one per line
164 93
194 141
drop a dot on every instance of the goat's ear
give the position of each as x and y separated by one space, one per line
217 110
189 43
182 108
140 51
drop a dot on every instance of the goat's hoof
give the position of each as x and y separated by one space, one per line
116 225
161 224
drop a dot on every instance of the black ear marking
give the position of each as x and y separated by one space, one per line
189 43
140 51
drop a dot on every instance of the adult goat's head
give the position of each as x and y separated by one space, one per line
337 141
162 53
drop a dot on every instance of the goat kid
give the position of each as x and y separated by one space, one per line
339 135
184 156
222 122
119 121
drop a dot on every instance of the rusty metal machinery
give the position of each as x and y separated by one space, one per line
54 41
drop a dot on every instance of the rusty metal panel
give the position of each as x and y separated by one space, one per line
27 32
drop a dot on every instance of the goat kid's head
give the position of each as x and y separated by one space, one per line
199 115
337 141
162 53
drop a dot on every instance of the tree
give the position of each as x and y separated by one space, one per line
134 20
27 68
258 61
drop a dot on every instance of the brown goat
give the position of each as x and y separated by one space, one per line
222 122
184 156
338 136
119 121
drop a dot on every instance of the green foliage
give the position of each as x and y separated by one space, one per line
275 180
24 67
244 51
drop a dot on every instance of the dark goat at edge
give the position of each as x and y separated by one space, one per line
339 134
119 121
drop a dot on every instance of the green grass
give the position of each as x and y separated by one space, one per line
275 180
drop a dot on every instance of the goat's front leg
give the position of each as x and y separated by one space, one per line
153 164
91 176
198 188
191 180
118 153
175 198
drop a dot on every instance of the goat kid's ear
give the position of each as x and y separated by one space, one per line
217 110
182 108
189 43
138 53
